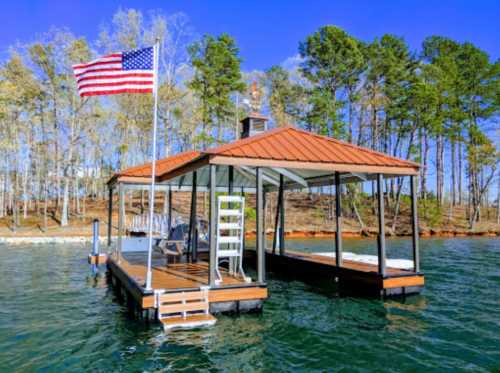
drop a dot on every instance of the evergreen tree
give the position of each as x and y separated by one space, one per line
217 75
331 60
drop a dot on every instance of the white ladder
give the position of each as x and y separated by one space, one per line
229 238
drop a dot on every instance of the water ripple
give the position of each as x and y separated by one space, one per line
56 316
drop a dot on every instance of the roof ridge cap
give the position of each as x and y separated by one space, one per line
245 141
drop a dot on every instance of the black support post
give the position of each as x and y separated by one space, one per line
121 218
192 249
169 196
261 275
276 221
230 181
381 225
414 225
213 221
110 215
338 220
282 215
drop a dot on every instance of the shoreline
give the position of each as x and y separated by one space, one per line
373 234
87 238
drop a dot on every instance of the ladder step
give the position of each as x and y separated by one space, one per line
229 239
230 226
231 199
190 321
227 253
227 212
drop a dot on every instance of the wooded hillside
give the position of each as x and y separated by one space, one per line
438 105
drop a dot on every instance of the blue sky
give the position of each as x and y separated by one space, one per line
268 32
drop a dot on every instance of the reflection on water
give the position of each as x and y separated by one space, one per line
56 315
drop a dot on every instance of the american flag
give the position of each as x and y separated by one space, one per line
124 72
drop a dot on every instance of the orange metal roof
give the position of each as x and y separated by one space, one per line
162 165
281 144
293 144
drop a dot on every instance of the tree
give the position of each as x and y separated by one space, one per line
217 75
284 96
332 60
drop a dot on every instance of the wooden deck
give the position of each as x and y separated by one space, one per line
234 294
353 277
130 271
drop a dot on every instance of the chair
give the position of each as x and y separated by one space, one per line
174 245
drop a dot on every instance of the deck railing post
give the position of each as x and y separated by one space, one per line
213 221
381 226
282 215
414 225
110 214
338 219
261 276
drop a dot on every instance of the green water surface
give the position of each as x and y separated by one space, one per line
56 316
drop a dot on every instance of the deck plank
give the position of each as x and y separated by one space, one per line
179 277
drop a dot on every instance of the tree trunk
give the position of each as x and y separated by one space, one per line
498 201
460 172
453 175
65 206
439 169
425 157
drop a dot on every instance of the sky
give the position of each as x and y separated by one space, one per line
268 32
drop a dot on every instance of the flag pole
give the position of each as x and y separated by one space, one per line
156 55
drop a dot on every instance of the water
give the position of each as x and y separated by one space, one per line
55 316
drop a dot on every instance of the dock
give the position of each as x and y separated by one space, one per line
235 295
352 277
196 265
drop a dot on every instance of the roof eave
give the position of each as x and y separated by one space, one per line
320 166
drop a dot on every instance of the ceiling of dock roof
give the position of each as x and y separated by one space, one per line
242 178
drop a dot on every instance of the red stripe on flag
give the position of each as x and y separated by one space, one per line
116 91
145 82
98 64
98 70
83 65
134 75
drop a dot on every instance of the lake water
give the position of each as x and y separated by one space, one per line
55 316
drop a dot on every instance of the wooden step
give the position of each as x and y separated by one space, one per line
183 307
190 321
187 309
